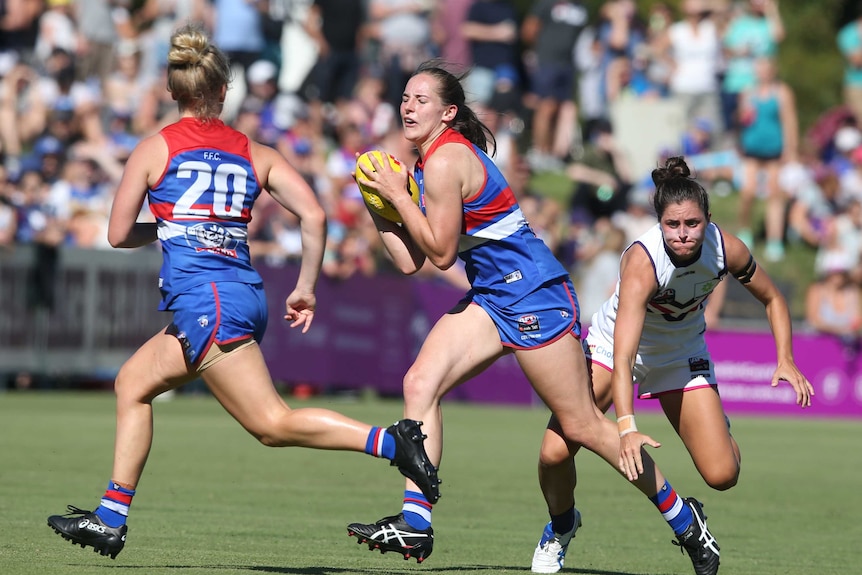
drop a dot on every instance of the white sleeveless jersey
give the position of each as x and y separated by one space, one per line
674 322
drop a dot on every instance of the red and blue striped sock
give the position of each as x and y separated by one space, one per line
416 510
114 507
380 443
672 508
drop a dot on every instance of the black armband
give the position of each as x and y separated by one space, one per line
744 276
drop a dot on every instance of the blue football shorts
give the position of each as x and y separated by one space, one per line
538 319
224 313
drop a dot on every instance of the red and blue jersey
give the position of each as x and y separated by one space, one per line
202 205
503 257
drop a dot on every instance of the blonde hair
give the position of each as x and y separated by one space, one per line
197 72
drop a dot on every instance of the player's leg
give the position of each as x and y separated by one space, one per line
550 553
157 366
461 344
558 480
239 378
699 419
241 382
557 475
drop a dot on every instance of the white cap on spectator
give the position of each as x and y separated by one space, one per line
833 261
261 71
847 138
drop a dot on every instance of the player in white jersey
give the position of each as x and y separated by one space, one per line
666 277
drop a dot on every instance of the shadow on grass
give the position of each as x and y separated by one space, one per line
374 571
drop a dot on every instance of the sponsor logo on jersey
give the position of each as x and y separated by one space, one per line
698 365
529 322
203 320
665 296
211 237
513 277
706 288
220 251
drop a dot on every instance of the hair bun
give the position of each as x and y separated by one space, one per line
674 167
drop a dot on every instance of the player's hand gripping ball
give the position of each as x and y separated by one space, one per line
373 200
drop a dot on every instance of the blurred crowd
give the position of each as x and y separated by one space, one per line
82 81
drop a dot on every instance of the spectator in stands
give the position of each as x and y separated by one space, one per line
602 177
81 197
491 28
337 28
154 22
716 164
769 135
19 28
97 36
598 271
622 39
694 53
303 145
753 32
842 239
452 41
402 31
238 28
369 110
8 213
157 107
19 122
851 179
639 214
849 42
126 86
833 304
216 298
262 85
592 104
845 142
58 30
37 221
659 20
815 202
353 256
58 91
629 77
47 157
550 31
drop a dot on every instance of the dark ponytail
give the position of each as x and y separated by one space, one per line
451 92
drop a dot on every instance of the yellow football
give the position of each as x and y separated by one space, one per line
379 205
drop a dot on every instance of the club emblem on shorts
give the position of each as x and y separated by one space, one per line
698 365
529 322
203 320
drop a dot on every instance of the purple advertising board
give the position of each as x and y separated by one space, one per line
367 331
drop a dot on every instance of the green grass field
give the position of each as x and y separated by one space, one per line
213 501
